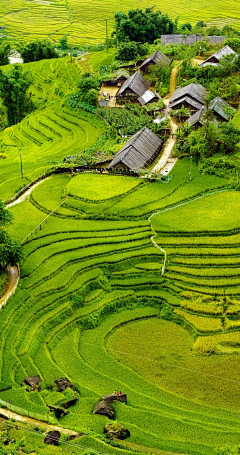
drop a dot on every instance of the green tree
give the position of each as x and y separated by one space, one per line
141 26
130 50
10 251
14 87
38 50
4 54
63 43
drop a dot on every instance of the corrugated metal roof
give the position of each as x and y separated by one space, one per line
195 91
217 105
147 97
138 150
226 50
157 57
136 83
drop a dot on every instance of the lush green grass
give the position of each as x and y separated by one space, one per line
84 23
100 187
211 213
161 352
50 132
97 282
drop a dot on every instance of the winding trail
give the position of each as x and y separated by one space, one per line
196 198
24 195
13 279
166 162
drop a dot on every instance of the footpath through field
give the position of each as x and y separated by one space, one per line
13 278
166 162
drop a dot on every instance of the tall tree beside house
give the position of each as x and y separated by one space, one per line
14 87
10 251
141 26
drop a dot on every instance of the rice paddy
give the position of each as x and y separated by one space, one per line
85 22
91 287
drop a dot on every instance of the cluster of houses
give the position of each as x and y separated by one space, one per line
144 146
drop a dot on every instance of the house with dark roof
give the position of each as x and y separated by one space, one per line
158 58
117 79
219 108
132 89
140 150
214 59
191 96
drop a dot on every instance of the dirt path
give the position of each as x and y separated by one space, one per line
166 162
24 196
27 420
13 278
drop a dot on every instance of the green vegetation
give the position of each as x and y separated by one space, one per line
99 187
91 269
52 131
38 50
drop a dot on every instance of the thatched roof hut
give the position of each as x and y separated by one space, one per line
192 96
141 149
214 59
116 79
134 87
154 59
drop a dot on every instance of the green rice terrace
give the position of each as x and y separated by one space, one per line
84 22
128 285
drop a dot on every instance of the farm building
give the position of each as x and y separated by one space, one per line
148 97
214 59
220 110
190 39
197 119
191 96
140 150
117 79
155 59
133 88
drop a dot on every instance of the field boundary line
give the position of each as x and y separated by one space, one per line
40 224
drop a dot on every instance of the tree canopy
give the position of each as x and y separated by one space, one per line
142 26
38 50
130 50
14 87
4 54
10 251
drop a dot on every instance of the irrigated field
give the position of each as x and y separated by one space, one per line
50 132
93 305
85 22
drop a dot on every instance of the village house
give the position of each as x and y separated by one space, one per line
140 150
117 79
158 58
191 96
214 59
220 109
132 89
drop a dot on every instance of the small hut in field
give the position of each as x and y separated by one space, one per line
133 88
158 58
191 96
140 150
214 59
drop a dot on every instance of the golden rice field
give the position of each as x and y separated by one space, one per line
84 22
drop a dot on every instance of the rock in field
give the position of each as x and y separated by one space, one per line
53 438
116 430
104 408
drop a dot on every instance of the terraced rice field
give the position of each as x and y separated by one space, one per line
50 132
93 305
85 22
